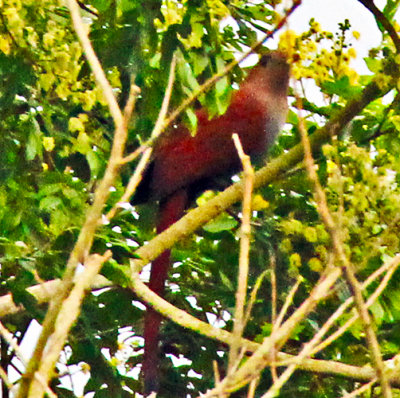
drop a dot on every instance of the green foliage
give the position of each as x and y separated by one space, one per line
55 139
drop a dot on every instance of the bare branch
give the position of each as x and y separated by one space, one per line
381 18
360 390
157 130
67 315
94 63
349 272
243 272
84 242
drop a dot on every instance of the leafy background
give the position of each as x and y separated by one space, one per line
56 133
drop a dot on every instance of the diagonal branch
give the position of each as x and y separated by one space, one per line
381 18
84 242
245 235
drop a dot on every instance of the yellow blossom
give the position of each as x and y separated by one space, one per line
218 8
287 41
5 45
352 53
48 143
315 264
259 203
295 260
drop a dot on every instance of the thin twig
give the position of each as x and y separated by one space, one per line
87 9
157 130
274 289
9 338
243 273
252 389
274 295
5 379
381 18
94 63
328 324
260 358
287 303
159 126
253 296
217 377
360 390
68 313
349 272
134 91
84 242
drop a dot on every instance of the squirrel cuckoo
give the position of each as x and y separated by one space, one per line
182 161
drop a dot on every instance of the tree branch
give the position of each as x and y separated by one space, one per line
381 18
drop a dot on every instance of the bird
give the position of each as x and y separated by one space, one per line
184 163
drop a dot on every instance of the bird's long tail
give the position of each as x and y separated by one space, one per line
171 210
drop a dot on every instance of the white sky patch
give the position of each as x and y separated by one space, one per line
79 269
174 287
215 321
179 361
135 214
194 374
139 305
221 353
27 346
132 243
76 384
145 273
177 264
125 205
193 302
226 316
105 220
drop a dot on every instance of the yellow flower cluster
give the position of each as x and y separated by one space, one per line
310 59
172 12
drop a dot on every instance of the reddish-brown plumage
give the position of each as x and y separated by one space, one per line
170 211
256 113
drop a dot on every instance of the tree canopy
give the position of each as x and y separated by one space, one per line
86 89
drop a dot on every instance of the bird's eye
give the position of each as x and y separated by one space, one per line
265 59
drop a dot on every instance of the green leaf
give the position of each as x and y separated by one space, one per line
391 8
224 222
373 64
101 5
191 120
34 146
200 63
50 203
226 281
95 163
119 274
341 87
187 76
